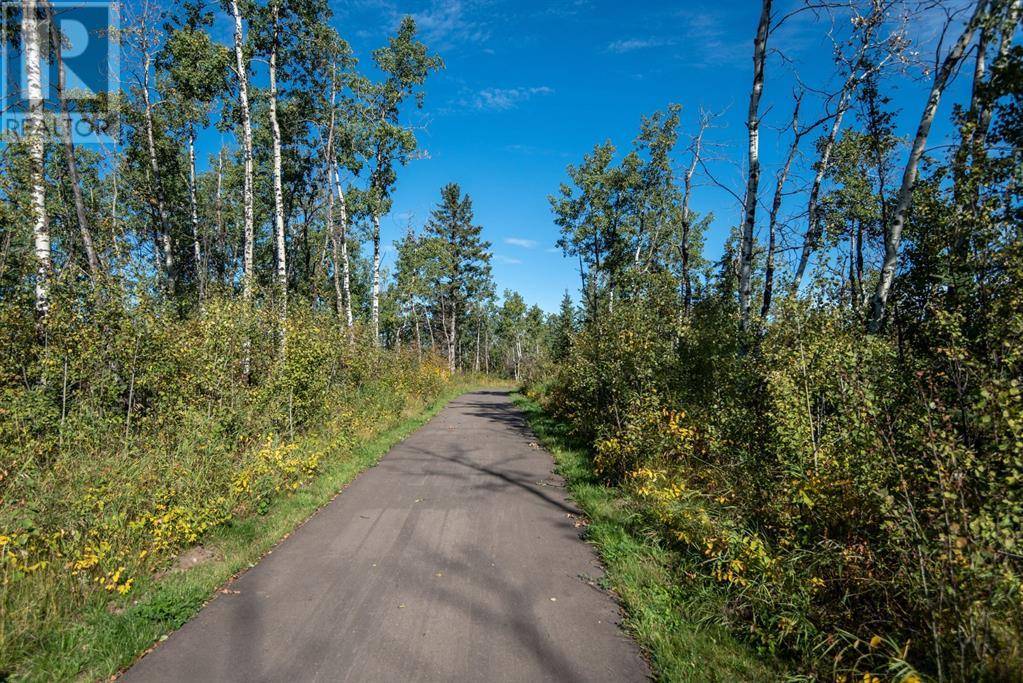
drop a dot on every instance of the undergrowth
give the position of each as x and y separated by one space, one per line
675 618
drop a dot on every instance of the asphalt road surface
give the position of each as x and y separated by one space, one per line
457 558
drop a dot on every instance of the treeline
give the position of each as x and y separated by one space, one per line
824 423
282 213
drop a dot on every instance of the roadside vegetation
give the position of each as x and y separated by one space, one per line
678 622
828 453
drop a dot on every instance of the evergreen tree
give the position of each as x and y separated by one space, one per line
464 273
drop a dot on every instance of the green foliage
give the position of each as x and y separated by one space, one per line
131 435
854 499
676 620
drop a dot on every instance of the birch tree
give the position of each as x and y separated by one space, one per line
753 160
859 66
36 144
344 116
897 220
405 64
147 39
196 69
280 247
241 73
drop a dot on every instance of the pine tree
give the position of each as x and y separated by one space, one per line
465 262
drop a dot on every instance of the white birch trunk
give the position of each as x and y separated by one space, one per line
166 242
753 176
247 210
376 279
893 231
346 268
814 227
200 270
221 231
876 19
34 132
275 131
772 223
243 98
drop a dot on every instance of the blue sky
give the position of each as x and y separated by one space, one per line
529 87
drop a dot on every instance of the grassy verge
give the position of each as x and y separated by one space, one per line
671 620
111 633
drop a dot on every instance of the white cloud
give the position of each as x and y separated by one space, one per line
504 259
501 99
632 44
445 23
520 242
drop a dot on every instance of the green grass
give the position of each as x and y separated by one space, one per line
111 634
671 619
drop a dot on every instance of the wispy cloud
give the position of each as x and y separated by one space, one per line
501 99
633 44
446 22
505 259
707 41
443 24
520 242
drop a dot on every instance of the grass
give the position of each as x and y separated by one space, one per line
111 634
670 618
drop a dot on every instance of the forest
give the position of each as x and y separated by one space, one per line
822 426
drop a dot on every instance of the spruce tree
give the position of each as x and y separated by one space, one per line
464 274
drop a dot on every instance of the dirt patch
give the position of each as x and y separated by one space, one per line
192 557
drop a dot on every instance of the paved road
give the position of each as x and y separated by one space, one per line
455 559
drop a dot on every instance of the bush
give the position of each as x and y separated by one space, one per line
856 498
130 433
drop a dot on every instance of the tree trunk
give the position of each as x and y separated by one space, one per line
166 241
858 265
453 339
346 267
476 363
1009 25
772 224
419 339
753 177
893 231
248 275
275 132
814 227
376 279
34 133
331 224
247 201
697 147
69 153
876 18
200 268
221 228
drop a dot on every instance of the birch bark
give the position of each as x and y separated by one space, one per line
34 132
275 132
893 231
753 173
